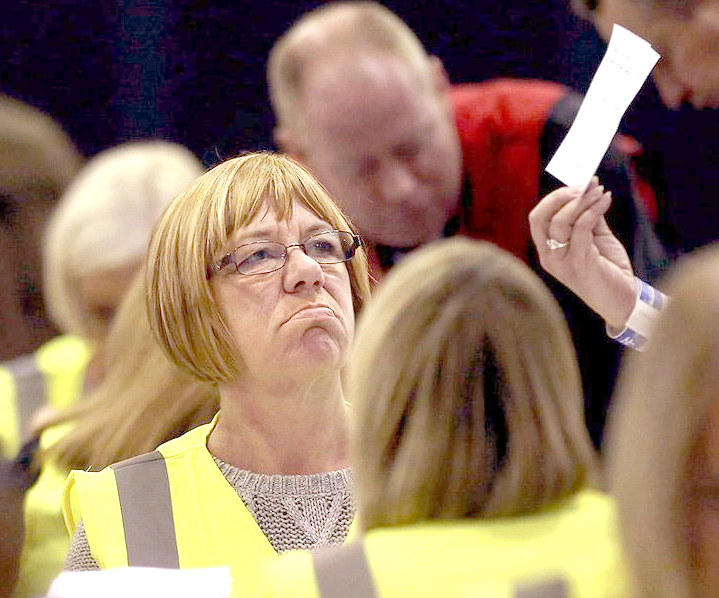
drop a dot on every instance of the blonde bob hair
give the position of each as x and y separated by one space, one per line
332 29
194 233
664 397
466 394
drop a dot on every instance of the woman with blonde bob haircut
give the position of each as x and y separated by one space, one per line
253 279
469 442
181 300
663 440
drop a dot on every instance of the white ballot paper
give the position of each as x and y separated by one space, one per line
622 72
143 582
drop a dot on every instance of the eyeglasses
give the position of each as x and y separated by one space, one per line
263 257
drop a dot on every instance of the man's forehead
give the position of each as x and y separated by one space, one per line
356 66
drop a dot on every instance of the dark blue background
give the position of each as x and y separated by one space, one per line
193 71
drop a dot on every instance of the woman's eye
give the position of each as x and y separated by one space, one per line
258 256
324 246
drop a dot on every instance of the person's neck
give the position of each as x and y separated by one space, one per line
288 429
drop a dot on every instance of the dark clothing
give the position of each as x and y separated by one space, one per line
509 130
678 152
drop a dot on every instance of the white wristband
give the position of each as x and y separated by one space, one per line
649 304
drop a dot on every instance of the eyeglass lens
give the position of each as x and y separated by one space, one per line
261 257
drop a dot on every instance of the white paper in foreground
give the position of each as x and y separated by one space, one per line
620 76
143 582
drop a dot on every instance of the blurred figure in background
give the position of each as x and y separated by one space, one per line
468 442
142 401
412 159
675 119
663 441
94 244
37 162
13 483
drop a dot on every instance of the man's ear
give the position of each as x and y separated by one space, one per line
287 143
440 78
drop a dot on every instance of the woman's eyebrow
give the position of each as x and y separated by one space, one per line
270 234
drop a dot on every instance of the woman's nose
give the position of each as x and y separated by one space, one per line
300 270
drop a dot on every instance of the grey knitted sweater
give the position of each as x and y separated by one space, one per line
294 511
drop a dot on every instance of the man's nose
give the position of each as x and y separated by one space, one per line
397 182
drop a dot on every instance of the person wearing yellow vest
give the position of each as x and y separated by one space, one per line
253 280
94 242
38 160
94 245
142 401
475 472
52 377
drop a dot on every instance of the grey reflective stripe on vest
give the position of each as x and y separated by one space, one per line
30 393
343 572
144 491
550 588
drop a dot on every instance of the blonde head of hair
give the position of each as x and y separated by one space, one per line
337 29
193 235
663 399
104 220
142 400
466 394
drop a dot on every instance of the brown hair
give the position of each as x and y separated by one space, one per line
663 398
142 401
466 394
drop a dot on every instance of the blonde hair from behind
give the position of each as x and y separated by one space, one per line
105 218
331 30
197 230
663 398
466 394
142 401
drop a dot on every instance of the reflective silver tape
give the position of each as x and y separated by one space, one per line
343 572
144 490
550 588
30 392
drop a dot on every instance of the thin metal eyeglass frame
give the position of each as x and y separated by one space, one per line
227 258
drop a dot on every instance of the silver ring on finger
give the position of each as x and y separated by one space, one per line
554 244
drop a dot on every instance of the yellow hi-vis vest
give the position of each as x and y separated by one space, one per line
52 376
169 508
46 542
569 551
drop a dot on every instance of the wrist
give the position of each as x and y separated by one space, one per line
648 305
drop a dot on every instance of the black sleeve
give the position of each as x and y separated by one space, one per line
599 356
24 463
